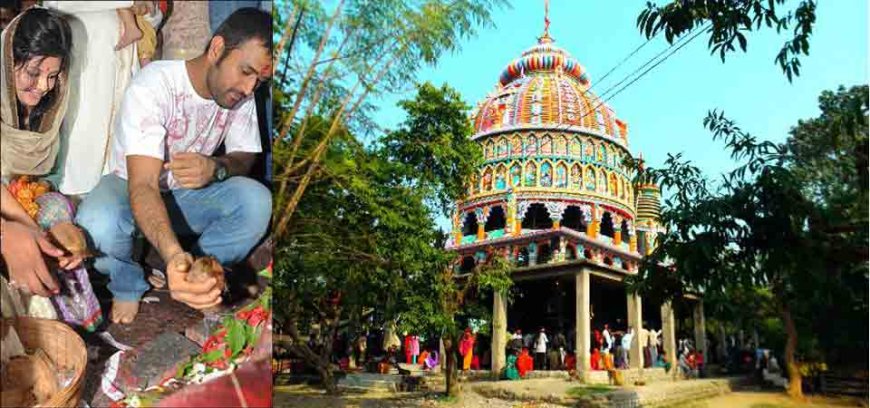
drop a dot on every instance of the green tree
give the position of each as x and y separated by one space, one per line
729 21
335 60
434 151
364 237
775 223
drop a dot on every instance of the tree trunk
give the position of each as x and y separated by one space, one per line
794 375
320 362
328 380
450 367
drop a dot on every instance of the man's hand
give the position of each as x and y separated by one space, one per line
22 249
201 295
191 170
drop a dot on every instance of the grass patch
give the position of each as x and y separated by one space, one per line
446 399
579 392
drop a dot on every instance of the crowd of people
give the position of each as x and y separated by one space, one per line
554 351
130 145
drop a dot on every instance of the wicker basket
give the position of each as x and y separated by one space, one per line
63 346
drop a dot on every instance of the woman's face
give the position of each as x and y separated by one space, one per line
35 78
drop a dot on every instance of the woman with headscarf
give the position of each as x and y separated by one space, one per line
35 61
525 363
466 349
33 78
510 370
431 360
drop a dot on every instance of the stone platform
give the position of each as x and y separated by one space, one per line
629 376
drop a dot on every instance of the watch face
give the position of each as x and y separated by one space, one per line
221 173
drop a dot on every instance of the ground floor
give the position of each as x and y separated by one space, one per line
544 393
570 302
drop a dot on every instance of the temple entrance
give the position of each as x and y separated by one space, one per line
547 303
607 304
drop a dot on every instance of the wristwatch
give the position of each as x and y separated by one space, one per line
220 171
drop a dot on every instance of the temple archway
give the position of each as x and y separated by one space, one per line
537 218
607 225
496 219
573 218
469 225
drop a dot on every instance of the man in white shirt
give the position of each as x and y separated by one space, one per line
541 341
626 345
608 338
165 180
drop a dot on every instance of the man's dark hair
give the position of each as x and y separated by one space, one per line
244 24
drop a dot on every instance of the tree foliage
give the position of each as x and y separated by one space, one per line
336 59
792 218
365 238
730 21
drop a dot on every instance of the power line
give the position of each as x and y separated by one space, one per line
620 63
676 47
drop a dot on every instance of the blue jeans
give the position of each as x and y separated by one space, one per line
230 218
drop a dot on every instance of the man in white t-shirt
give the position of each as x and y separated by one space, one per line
541 341
165 181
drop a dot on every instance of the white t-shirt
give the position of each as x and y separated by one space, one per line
541 343
161 114
654 337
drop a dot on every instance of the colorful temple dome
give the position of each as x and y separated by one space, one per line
546 88
554 163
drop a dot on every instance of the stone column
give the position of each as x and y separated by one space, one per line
668 336
499 329
582 322
617 230
700 330
635 321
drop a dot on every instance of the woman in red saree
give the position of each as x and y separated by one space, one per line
525 363
466 349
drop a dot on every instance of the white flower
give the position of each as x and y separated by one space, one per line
135 402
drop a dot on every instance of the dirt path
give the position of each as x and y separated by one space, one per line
770 399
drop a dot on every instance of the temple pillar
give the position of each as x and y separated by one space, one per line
617 237
668 336
632 243
557 224
518 228
582 322
499 333
700 329
635 321
481 234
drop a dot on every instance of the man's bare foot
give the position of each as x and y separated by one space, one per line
124 312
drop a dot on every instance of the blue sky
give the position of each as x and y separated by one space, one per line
665 108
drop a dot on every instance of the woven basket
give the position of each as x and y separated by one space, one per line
65 348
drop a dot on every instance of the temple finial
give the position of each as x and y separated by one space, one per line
546 18
545 38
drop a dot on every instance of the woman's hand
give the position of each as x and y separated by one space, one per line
23 248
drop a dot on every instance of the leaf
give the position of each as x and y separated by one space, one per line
212 356
236 337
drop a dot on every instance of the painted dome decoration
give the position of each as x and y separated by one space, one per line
546 88
544 57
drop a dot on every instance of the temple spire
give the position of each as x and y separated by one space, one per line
547 18
545 38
